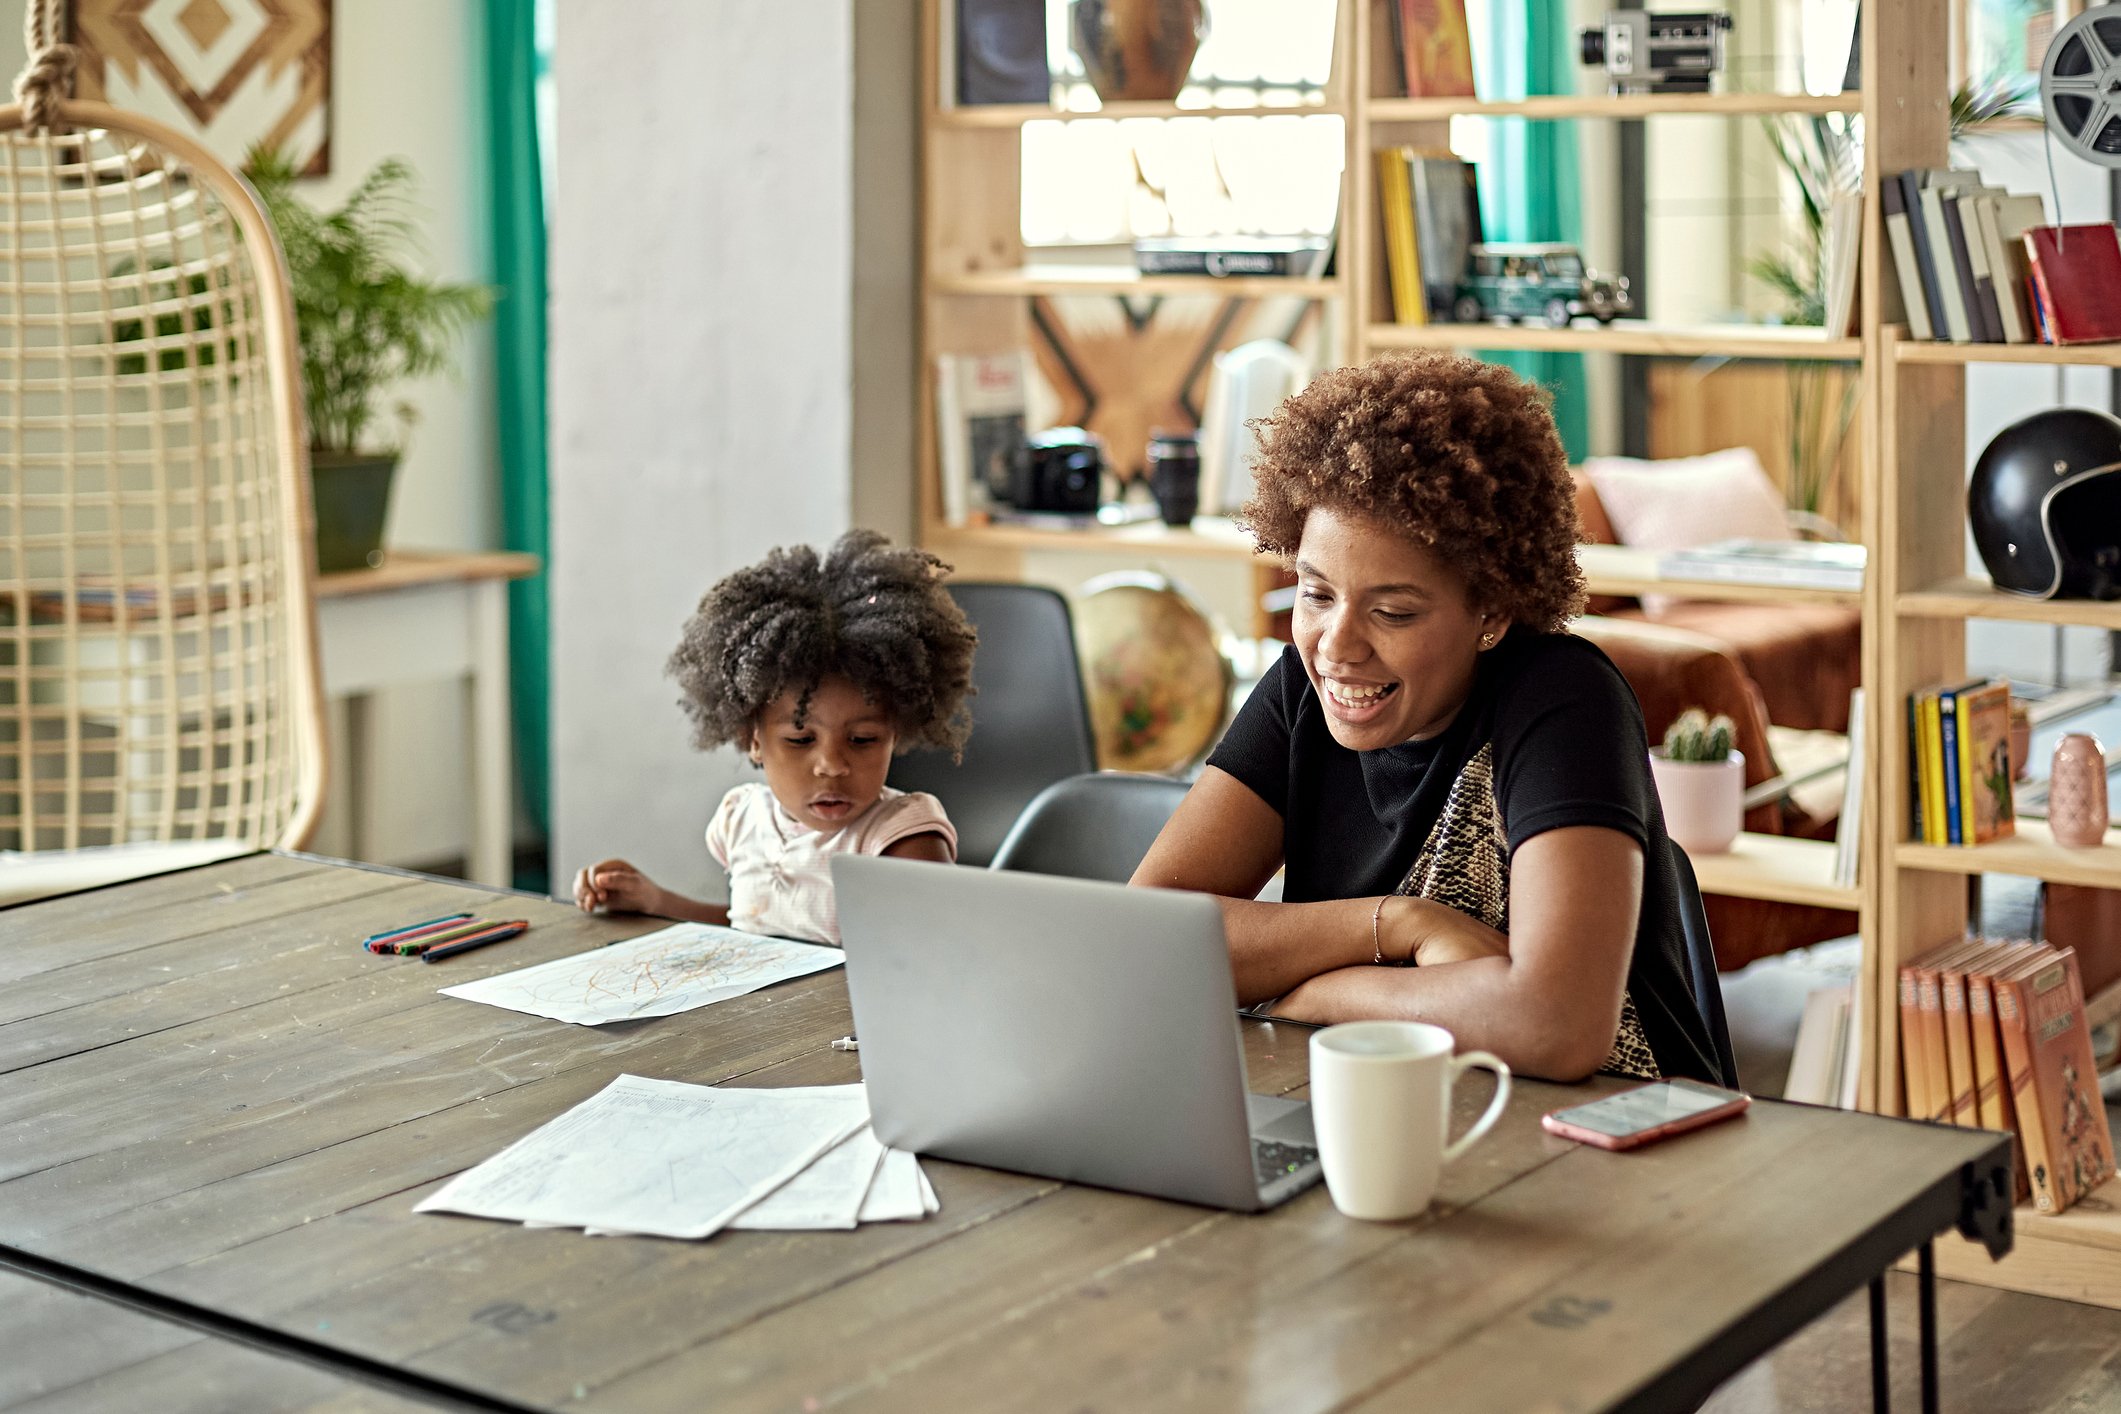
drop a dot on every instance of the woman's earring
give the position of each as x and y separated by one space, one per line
1487 640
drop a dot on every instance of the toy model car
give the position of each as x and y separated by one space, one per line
1542 280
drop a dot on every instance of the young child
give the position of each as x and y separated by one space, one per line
822 670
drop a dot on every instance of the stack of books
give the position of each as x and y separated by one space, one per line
1993 1036
1959 768
1430 207
1980 265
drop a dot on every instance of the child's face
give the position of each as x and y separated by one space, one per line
830 767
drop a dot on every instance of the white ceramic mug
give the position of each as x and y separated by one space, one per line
1381 1106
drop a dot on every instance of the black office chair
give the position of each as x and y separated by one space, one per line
1701 965
1030 723
1091 827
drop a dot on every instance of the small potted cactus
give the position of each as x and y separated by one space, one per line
1700 782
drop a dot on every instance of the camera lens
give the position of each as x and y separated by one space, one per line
1593 46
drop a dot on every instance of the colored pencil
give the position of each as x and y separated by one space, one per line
415 928
493 934
420 942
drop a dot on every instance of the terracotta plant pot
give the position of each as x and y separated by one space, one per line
1704 801
1137 49
2076 792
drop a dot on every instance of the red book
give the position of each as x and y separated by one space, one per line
2077 275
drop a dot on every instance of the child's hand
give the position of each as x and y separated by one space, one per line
617 887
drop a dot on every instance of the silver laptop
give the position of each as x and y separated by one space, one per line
1076 1030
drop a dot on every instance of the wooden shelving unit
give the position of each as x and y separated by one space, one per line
1624 336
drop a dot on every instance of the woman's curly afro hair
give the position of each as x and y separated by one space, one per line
875 615
1458 455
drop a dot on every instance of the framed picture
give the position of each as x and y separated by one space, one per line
2004 39
232 73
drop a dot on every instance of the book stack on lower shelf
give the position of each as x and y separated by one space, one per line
1994 1035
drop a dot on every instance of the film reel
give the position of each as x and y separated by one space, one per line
2080 85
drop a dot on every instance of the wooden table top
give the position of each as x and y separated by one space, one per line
211 1095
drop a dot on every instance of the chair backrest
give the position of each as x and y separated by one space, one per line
1701 965
1091 827
1030 722
158 669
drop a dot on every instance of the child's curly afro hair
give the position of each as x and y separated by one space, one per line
876 615
1459 455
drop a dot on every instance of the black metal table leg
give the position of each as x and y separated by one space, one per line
1927 1305
1881 1382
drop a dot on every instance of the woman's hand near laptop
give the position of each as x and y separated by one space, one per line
617 887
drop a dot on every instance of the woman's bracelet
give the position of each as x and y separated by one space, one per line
1377 947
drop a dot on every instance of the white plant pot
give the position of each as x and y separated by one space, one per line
1704 801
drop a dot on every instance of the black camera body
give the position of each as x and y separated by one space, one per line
1062 470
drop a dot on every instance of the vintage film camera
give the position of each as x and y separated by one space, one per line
1662 52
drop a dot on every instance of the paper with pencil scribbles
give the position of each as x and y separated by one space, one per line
678 968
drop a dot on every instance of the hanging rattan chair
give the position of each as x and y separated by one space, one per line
158 665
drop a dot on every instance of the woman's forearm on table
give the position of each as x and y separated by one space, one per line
1276 946
1486 1004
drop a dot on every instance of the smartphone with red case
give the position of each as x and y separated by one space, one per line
1645 1114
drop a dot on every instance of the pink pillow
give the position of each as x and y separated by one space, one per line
1682 502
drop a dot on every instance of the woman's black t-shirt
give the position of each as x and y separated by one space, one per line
1551 736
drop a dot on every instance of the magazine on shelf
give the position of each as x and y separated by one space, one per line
979 430
1810 564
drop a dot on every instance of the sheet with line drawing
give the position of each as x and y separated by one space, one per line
658 1157
675 969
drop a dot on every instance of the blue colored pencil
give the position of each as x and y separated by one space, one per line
413 928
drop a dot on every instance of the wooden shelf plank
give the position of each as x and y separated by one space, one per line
1928 351
1617 569
1015 115
1776 867
2031 852
1978 599
1124 280
1632 105
1628 336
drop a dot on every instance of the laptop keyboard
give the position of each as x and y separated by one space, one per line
1272 1161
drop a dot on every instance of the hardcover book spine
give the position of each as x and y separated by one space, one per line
1958 1048
1912 1068
2018 1061
1893 202
1955 324
1930 1017
1925 260
1991 1077
1948 767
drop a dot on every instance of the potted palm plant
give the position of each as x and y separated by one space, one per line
366 321
1700 782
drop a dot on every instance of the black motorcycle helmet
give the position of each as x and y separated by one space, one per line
2045 505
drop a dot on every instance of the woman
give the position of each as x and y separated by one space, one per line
1459 789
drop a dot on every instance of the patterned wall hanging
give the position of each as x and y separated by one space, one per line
233 73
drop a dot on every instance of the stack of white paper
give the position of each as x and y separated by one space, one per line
666 1159
662 973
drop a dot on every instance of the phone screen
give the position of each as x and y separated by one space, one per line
1633 1111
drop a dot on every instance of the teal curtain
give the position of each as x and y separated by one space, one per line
1531 188
515 66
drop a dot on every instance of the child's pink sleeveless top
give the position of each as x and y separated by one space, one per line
780 870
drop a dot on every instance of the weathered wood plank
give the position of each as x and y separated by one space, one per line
51 1338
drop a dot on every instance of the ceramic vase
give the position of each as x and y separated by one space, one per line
1704 801
2076 792
1137 49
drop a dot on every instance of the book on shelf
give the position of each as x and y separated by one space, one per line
1298 257
1811 564
1848 831
1446 223
1934 187
1817 1060
1395 210
1843 245
1959 762
2054 1082
1958 1040
2013 215
1892 201
979 430
1435 48
1918 228
2077 277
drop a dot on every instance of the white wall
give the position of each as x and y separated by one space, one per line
705 317
405 83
